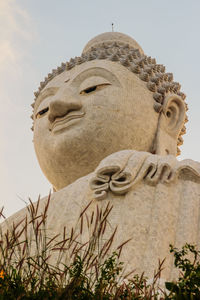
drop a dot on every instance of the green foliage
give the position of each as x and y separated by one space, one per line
188 284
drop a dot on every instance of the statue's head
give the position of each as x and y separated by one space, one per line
111 98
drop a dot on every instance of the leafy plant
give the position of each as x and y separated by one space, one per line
188 284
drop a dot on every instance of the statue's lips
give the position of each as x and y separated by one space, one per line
64 120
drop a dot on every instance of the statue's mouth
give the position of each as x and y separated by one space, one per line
65 120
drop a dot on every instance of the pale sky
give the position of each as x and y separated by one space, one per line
37 35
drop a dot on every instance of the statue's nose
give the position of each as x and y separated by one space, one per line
60 108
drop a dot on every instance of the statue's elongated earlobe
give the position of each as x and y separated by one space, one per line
170 124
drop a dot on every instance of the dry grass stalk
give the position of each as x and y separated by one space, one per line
27 250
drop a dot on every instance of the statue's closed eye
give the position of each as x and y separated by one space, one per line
94 88
91 89
42 112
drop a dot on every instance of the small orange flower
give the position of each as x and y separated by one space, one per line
2 274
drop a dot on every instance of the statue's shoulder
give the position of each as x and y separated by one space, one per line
64 202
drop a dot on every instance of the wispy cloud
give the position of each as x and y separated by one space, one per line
16 36
15 27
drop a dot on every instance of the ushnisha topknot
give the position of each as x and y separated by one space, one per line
120 48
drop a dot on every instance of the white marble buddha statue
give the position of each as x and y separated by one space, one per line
107 126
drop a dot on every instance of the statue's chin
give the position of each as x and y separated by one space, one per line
61 172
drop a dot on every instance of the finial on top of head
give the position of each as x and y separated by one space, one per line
108 38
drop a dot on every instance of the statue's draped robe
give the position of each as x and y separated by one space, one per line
156 202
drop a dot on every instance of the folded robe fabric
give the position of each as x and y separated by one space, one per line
121 171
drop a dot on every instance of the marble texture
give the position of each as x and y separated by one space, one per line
106 129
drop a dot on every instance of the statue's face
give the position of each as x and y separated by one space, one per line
85 114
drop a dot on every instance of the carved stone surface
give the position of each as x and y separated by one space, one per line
106 129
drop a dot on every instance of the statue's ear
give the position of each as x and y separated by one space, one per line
170 124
